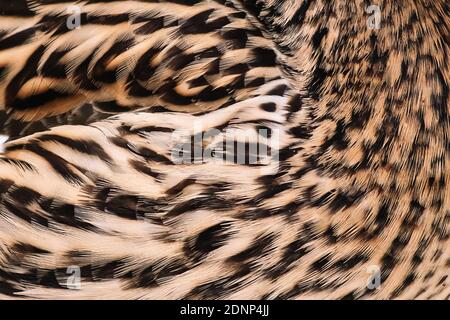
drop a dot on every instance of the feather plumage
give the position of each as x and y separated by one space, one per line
358 168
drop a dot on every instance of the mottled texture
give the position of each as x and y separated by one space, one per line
362 127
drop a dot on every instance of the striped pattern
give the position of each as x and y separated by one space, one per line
141 55
357 118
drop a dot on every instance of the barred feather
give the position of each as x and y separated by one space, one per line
358 136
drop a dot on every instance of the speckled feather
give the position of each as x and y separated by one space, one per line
364 149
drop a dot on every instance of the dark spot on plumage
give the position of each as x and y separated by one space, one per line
272 191
208 203
86 272
257 82
422 291
299 17
217 24
112 107
382 218
24 195
286 211
388 263
169 95
151 25
408 281
264 131
278 90
245 153
58 164
420 252
331 235
310 231
323 199
437 254
339 140
88 147
3 73
263 57
135 89
439 226
112 270
56 23
210 94
100 72
17 39
237 83
287 153
301 132
240 68
78 254
81 74
213 67
292 254
65 214
350 262
49 280
108 19
24 75
52 68
123 206
318 37
143 70
309 166
238 37
222 286
442 281
149 155
344 200
309 193
8 288
377 57
39 100
156 273
404 70
295 104
269 107
254 7
198 82
322 264
154 129
350 296
315 86
24 213
401 241
297 289
5 185
440 98
269 180
26 248
16 8
197 23
238 14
